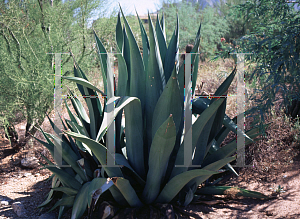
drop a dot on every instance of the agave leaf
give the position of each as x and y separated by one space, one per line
222 190
68 139
212 167
68 155
198 126
67 190
55 183
127 191
162 24
100 152
83 82
160 39
82 115
72 117
121 91
174 186
196 45
50 146
123 76
218 121
96 188
155 80
126 55
62 211
103 60
121 160
119 35
46 159
63 137
161 148
66 201
202 142
172 53
118 196
180 77
134 136
223 88
211 148
232 126
66 179
220 153
93 104
108 118
145 42
195 73
137 74
168 103
80 202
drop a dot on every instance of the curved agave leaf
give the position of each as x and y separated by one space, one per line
80 202
161 148
174 186
83 82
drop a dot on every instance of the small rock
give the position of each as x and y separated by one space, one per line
30 162
47 216
3 203
37 174
19 209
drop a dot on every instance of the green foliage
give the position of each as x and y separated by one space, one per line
275 45
213 26
237 23
28 31
151 145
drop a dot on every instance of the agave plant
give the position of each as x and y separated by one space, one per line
149 150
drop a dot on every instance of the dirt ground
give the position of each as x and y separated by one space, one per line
275 161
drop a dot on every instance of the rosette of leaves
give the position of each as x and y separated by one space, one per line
149 149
